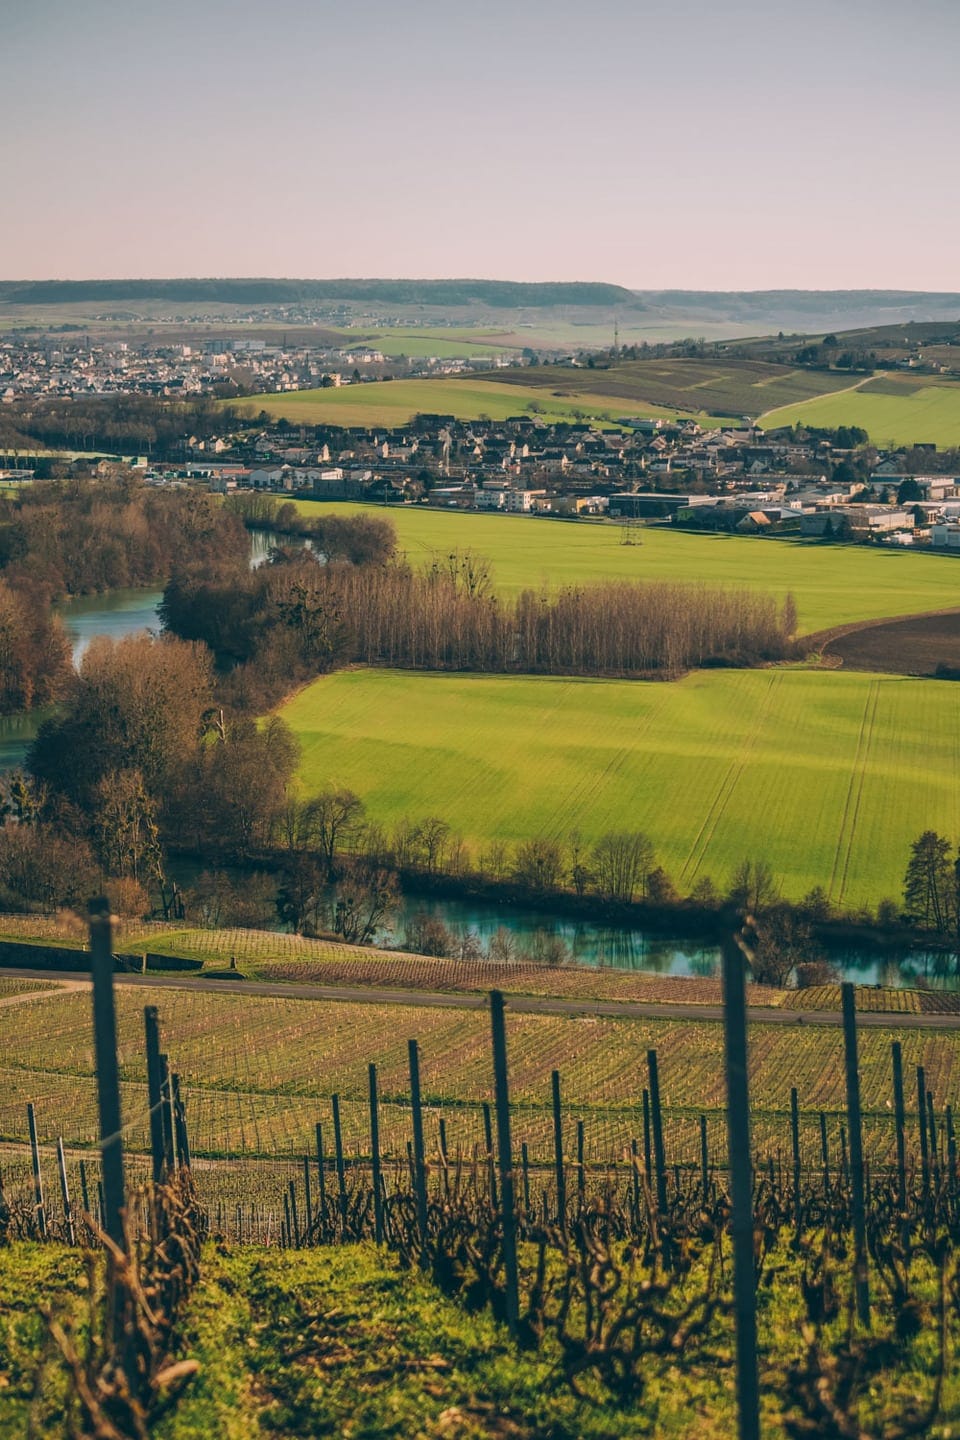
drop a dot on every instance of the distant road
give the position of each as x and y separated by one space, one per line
519 1004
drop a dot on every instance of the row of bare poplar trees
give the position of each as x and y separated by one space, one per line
397 616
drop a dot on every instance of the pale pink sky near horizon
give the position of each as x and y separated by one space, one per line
657 143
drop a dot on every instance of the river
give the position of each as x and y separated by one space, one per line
125 612
116 613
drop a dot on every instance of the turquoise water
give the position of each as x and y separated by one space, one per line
121 612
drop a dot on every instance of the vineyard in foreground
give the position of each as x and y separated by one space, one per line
539 1286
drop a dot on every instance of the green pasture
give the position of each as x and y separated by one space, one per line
832 584
445 342
395 402
929 414
827 776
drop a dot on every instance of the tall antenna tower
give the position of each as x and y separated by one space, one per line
616 335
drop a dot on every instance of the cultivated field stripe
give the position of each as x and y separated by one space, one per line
727 786
851 809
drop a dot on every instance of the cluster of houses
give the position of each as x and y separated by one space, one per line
58 365
737 479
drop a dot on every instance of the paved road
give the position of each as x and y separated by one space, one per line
519 1004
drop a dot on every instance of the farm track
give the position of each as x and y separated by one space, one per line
519 1004
56 988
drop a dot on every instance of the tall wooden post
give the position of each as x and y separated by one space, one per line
151 1028
558 1149
321 1182
108 1077
795 1148
899 1113
419 1157
855 1126
704 1159
741 1189
65 1193
491 1163
922 1117
38 1206
508 1209
375 1155
180 1122
659 1159
341 1169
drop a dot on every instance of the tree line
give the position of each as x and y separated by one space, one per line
297 616
78 537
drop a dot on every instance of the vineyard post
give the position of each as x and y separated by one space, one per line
635 1178
704 1158
857 1203
491 1164
108 1079
307 1198
84 1191
180 1122
508 1209
741 1188
444 1158
934 1151
951 1147
40 1211
294 1218
65 1192
166 1111
824 1153
558 1149
581 1169
900 1120
151 1028
321 1182
525 1170
375 1155
341 1172
647 1153
922 1116
419 1163
657 1125
795 1147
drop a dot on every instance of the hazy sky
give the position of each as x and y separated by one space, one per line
655 143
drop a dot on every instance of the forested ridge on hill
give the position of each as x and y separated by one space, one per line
497 293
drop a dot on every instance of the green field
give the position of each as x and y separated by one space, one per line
893 409
827 776
832 585
928 413
444 342
395 402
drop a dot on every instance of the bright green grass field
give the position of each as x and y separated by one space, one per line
832 585
827 776
931 414
395 402
442 342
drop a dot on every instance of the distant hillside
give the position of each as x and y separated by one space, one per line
499 294
801 311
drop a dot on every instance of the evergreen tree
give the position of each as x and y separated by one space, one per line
929 882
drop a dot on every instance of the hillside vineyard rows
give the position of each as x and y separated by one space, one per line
259 1072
